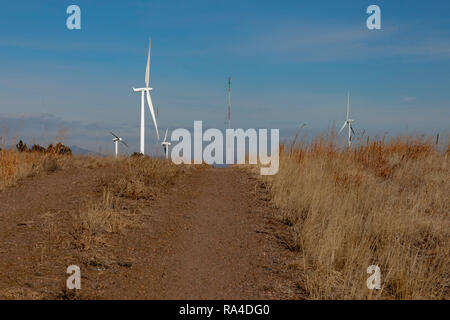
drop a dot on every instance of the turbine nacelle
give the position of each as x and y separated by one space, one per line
142 89
116 140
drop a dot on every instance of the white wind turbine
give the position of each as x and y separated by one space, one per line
348 122
166 145
116 140
146 91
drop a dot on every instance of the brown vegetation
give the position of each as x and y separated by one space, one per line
381 203
65 210
58 148
16 165
144 176
378 203
137 178
24 161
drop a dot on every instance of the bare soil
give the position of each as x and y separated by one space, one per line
212 235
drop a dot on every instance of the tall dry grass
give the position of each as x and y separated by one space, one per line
98 217
380 203
16 165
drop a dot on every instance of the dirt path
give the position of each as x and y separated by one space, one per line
211 236
35 222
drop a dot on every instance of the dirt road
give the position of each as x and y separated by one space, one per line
211 236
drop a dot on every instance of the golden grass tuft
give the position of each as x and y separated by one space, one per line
145 176
380 203
135 178
99 217
16 165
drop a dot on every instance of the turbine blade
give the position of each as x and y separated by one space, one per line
114 135
342 127
165 136
147 71
150 105
352 129
124 143
348 104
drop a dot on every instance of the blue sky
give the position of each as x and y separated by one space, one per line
291 62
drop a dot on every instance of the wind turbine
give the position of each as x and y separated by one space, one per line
348 122
146 91
116 140
166 145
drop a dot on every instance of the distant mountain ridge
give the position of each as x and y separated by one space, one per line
83 152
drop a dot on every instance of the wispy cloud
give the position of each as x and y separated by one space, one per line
65 44
317 43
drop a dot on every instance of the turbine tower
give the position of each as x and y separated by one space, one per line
348 122
146 91
116 140
166 145
229 103
228 123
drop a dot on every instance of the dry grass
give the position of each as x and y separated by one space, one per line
136 178
16 165
97 218
144 177
381 203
